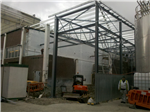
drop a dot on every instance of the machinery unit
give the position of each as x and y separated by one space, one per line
14 81
78 85
80 91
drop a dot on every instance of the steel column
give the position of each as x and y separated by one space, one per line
54 66
135 53
96 36
4 48
131 65
22 45
46 54
120 48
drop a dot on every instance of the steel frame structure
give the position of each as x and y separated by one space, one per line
94 24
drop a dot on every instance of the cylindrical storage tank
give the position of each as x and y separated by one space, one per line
142 40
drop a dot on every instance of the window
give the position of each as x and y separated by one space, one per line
12 52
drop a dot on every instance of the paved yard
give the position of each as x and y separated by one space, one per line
112 106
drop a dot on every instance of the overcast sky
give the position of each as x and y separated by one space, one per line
43 8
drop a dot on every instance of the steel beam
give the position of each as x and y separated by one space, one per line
120 48
115 16
96 36
86 26
78 25
74 18
78 10
87 20
109 31
82 42
68 45
54 66
65 40
70 9
78 32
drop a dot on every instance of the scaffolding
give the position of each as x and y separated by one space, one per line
94 24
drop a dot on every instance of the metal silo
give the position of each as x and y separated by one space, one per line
142 44
142 37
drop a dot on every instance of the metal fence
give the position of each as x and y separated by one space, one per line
106 86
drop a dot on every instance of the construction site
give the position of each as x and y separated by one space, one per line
83 59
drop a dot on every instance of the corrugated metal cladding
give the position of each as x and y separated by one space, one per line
106 86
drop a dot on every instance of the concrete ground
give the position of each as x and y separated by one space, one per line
112 106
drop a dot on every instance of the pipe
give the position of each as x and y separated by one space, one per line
4 49
46 53
76 60
22 45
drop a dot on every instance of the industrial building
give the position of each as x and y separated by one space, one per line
90 39
12 19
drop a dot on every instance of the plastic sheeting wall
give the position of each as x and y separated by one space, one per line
106 86
142 80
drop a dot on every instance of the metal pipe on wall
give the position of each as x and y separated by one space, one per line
4 48
46 53
21 45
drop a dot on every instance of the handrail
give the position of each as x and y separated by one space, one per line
142 9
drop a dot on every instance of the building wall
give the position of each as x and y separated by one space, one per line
82 53
12 19
13 38
65 66
65 70
32 43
